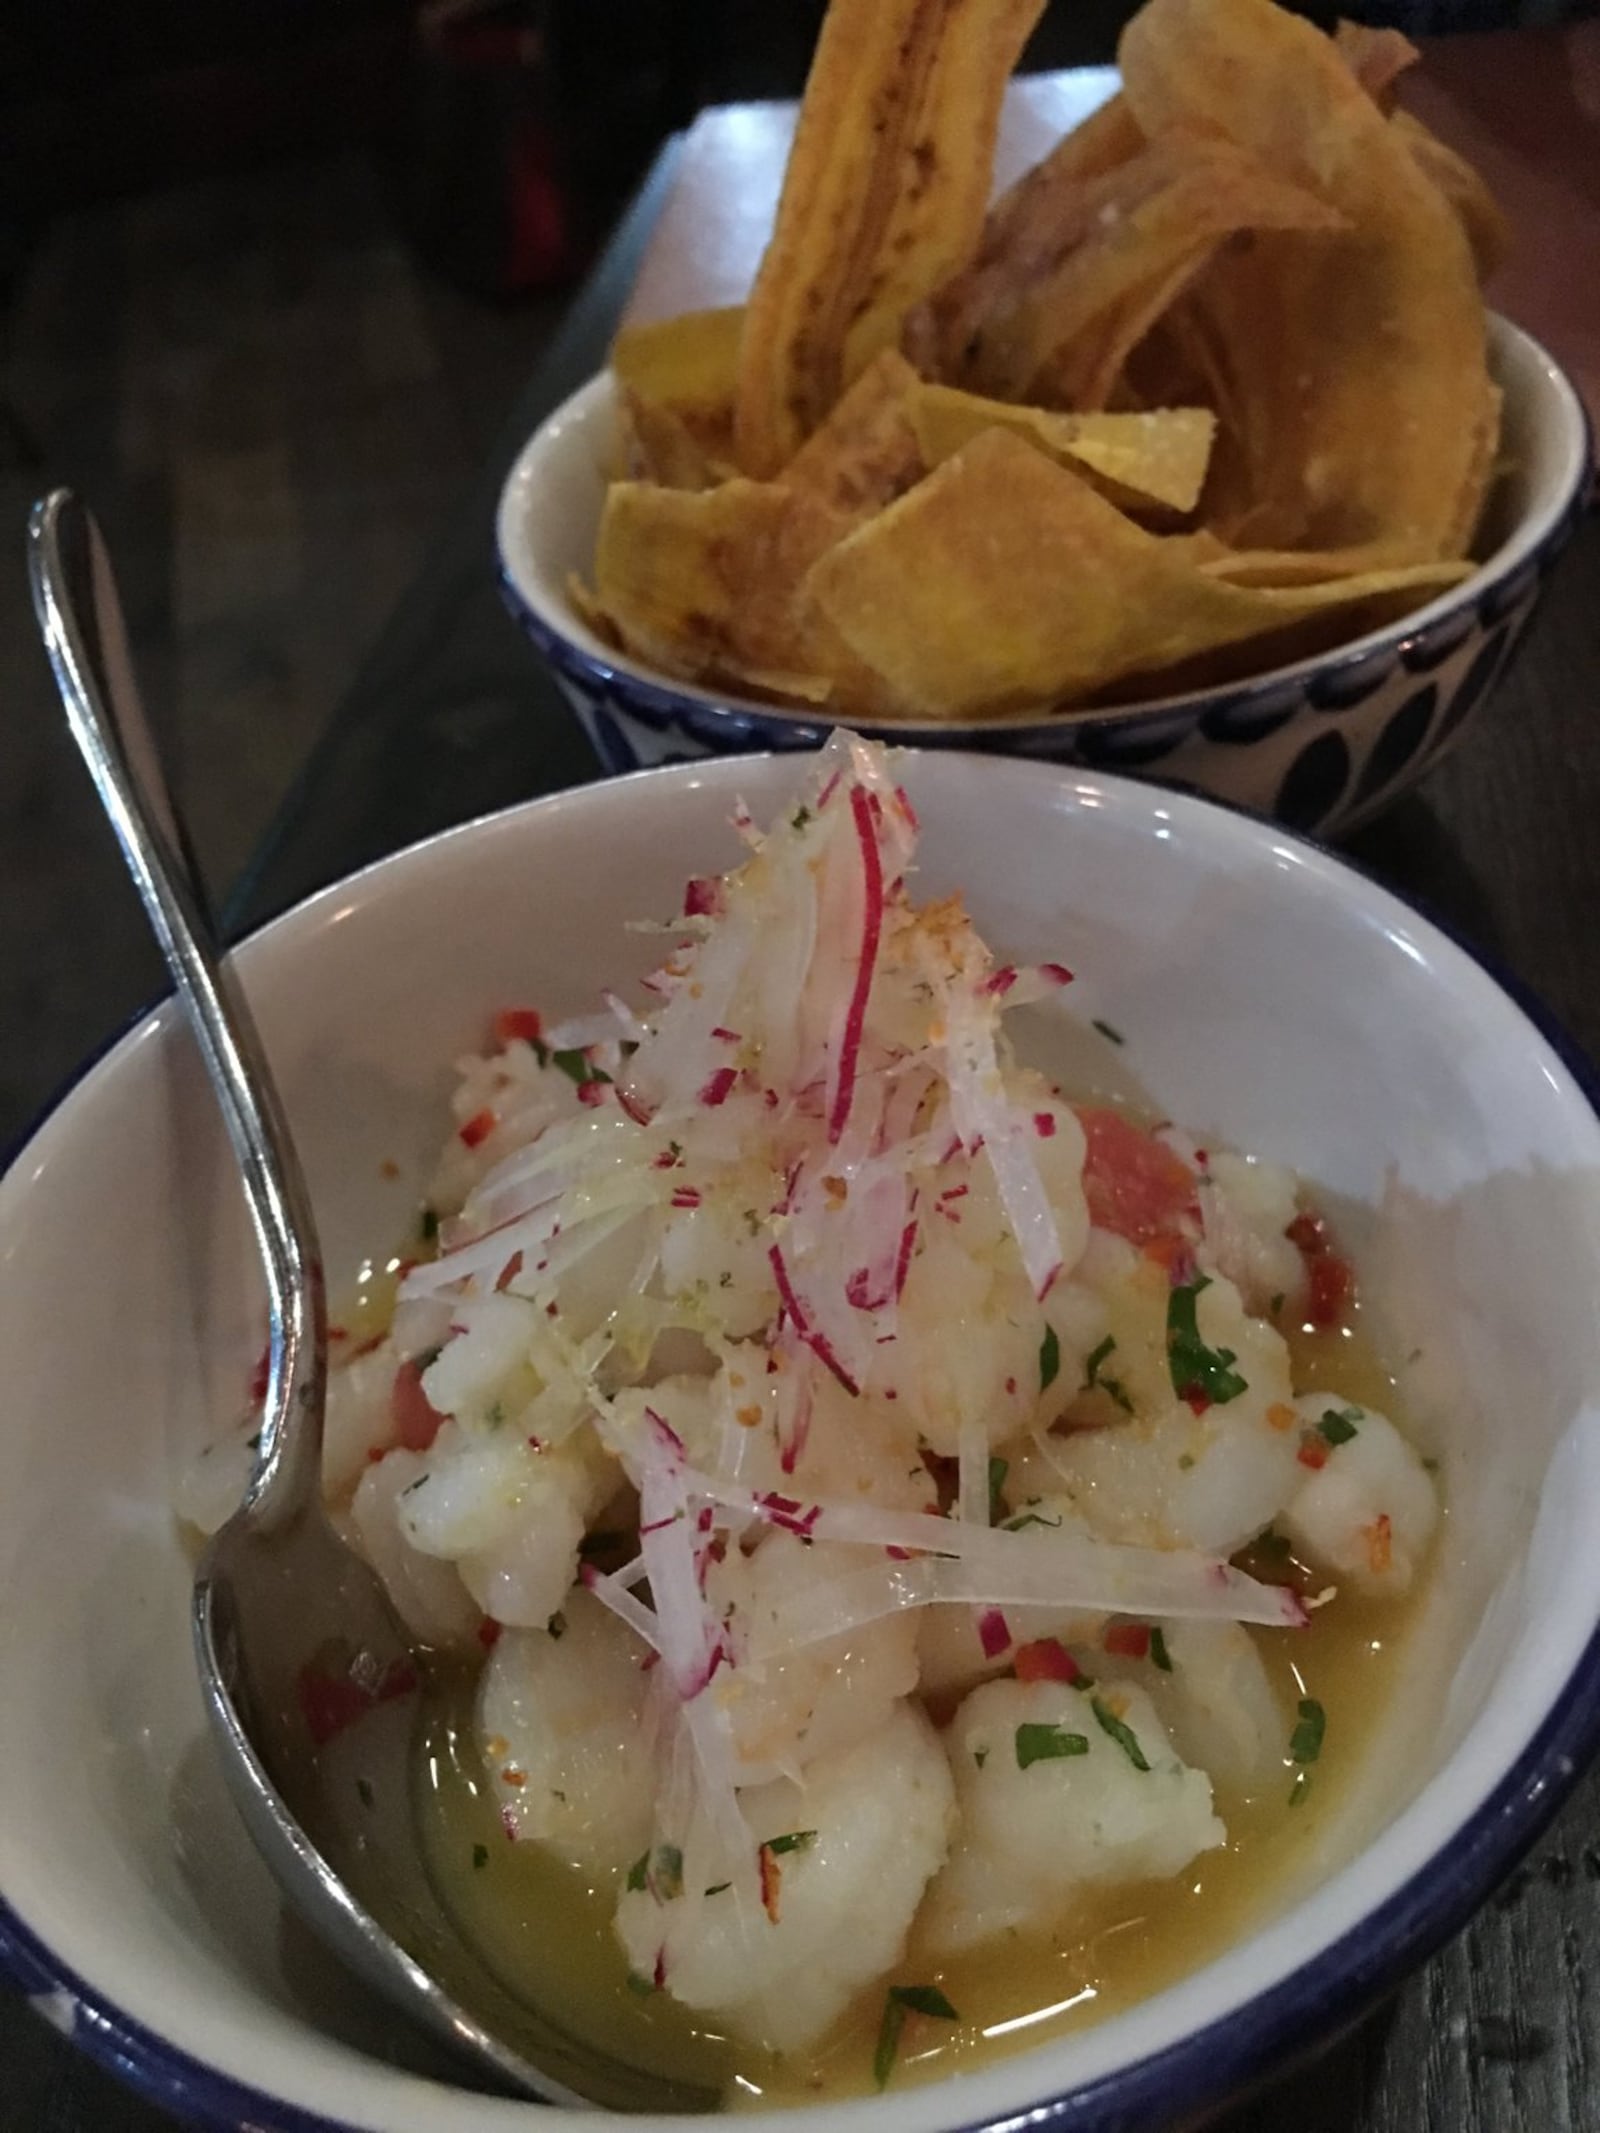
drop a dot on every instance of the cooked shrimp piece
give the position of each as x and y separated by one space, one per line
561 1722
359 1418
429 1595
1368 1510
1052 1801
1206 1472
509 1513
788 1706
970 1329
846 1856
1218 1704
1246 1206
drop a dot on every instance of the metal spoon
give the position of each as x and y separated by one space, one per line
277 1593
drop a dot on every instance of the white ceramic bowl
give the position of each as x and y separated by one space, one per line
1322 745
1269 995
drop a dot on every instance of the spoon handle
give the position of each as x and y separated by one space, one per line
80 619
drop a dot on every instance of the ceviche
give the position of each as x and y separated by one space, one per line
884 1502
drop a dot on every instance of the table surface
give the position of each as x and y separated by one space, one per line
452 716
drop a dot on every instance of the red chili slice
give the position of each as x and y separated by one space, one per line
514 1022
1135 1186
477 1128
1128 1640
1046 1660
416 1419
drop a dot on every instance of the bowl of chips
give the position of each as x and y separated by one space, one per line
1195 454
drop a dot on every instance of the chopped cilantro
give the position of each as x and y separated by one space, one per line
480 1856
429 1225
1338 1424
1194 1366
900 2001
639 1872
1124 1736
1049 1359
666 1873
800 817
640 1987
1159 1654
1300 1787
796 1840
1048 1744
1185 1461
364 1792
1092 1377
717 1887
496 1415
1109 1031
1030 1518
980 1756
578 1067
998 1470
1305 1743
557 1625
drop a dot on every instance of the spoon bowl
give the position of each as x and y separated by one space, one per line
308 1676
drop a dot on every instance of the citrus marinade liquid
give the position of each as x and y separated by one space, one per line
548 1932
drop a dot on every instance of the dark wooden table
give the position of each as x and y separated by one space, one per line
452 716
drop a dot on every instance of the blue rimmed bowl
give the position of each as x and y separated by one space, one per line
1268 994
1322 744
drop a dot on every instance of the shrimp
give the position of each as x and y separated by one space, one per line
428 1594
1217 1703
1060 1789
561 1723
1369 1510
787 1707
1246 1206
845 1857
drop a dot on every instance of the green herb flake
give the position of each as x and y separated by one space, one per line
1276 1304
796 1840
640 1987
639 1872
980 1756
1159 1655
429 1225
1124 1736
666 1873
1047 1744
1193 1365
1049 1359
1109 1031
557 1625
1093 1379
1300 1787
1185 1462
998 1470
364 1792
800 817
717 1888
496 1415
1030 1518
480 1857
1305 1743
1338 1424
578 1067
900 2001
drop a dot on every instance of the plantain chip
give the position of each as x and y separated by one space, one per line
867 452
1358 390
1139 231
1003 583
1376 57
1483 223
883 199
708 586
689 363
655 443
1153 459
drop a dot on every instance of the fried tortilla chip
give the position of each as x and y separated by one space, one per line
1376 57
882 200
709 586
655 443
1003 583
868 451
1326 566
1476 209
689 363
1358 392
1139 231
1022 237
1142 460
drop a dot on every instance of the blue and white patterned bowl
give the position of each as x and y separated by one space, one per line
1322 744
